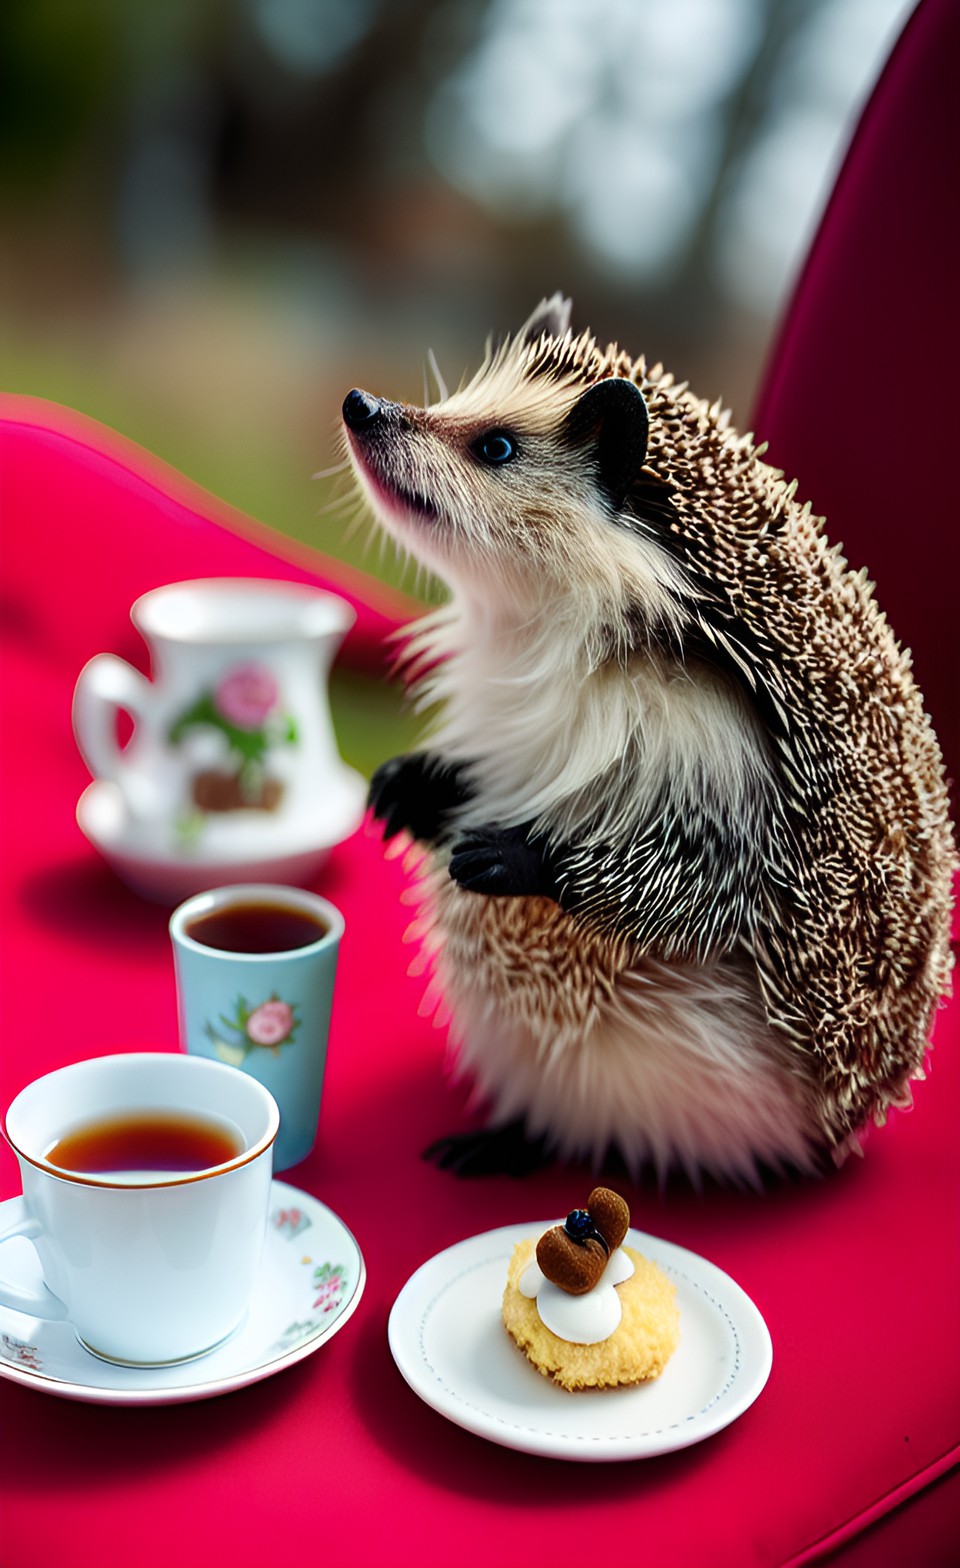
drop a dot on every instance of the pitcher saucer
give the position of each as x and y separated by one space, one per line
161 870
310 1284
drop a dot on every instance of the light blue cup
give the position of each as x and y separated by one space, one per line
267 1014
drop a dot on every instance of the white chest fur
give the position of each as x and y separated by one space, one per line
587 746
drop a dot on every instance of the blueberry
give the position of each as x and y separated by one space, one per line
578 1225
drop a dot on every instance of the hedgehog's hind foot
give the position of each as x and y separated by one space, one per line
506 1150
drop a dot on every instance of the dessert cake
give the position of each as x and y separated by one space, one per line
584 1308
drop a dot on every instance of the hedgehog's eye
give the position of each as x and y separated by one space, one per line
495 447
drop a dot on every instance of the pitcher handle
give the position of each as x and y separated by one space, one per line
15 1221
107 685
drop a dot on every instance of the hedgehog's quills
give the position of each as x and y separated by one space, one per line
690 852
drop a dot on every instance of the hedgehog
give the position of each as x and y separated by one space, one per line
686 853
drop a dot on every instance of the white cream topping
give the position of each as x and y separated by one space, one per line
531 1279
580 1320
619 1268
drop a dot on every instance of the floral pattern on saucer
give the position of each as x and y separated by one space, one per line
327 1283
290 1221
296 1334
20 1353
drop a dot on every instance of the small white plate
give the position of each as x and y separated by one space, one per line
242 849
310 1283
448 1340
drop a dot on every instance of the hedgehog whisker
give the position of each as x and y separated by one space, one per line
438 378
329 473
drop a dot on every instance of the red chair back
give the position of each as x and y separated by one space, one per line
859 401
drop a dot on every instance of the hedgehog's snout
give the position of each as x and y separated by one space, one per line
361 410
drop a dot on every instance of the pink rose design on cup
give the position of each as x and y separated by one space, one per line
247 695
266 1025
270 1023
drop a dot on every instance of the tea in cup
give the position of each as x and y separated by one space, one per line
255 967
146 1188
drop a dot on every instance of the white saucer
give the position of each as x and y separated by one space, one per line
156 866
311 1282
448 1340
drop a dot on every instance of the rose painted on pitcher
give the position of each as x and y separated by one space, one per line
270 1023
245 708
247 695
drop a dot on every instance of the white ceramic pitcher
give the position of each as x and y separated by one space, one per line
232 735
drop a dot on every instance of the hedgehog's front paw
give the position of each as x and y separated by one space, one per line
388 796
503 863
414 793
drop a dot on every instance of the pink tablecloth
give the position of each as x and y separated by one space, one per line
335 1459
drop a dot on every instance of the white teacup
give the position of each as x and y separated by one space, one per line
149 1266
234 725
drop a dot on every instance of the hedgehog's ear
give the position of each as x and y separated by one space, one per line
551 319
611 420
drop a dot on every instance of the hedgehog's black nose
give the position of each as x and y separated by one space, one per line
360 409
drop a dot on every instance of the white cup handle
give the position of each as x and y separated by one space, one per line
38 1304
108 684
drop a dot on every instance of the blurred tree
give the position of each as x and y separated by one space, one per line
400 172
488 148
58 62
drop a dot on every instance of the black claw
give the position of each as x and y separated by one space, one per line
379 796
503 862
494 1151
416 793
479 870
